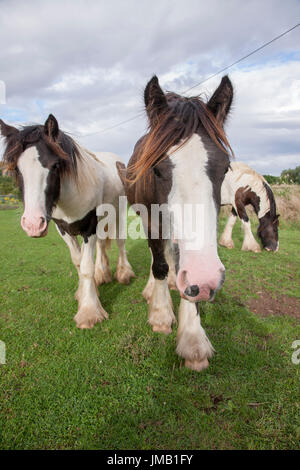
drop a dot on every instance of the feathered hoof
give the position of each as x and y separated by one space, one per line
254 248
87 317
165 329
196 364
124 274
102 277
227 244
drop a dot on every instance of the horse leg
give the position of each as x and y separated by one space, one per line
74 247
75 252
161 314
147 292
90 310
249 243
192 342
226 237
124 271
169 255
102 269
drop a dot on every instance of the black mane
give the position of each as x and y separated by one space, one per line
271 198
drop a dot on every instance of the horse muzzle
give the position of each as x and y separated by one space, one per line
35 227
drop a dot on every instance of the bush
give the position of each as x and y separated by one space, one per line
272 179
8 186
291 176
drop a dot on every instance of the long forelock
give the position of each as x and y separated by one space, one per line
64 147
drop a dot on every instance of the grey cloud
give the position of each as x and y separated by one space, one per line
120 45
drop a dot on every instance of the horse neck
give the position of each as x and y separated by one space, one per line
75 190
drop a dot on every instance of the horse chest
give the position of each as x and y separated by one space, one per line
85 227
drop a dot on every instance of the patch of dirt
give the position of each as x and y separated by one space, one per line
266 305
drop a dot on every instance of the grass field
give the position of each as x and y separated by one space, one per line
119 385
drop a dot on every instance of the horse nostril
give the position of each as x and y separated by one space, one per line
192 291
23 221
43 222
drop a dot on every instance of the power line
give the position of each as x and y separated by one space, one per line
200 83
243 58
115 125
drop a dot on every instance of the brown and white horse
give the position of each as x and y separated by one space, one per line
62 181
243 186
181 162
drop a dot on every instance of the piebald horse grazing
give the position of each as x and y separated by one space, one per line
181 161
243 186
62 181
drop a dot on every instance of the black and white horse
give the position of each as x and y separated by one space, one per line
182 162
243 186
62 181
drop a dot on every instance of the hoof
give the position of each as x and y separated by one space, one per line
229 244
87 317
254 248
102 277
196 364
165 329
124 274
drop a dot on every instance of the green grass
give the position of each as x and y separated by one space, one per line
119 385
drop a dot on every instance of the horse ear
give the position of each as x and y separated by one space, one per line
155 100
221 100
122 171
51 128
7 130
276 220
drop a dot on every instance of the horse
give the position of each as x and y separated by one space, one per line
243 186
62 181
181 160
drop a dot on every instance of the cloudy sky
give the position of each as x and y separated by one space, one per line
87 62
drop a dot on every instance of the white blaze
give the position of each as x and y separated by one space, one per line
200 265
35 182
191 186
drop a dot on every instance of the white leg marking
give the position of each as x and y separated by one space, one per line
90 310
147 292
74 248
226 237
124 270
249 243
192 342
102 269
75 252
161 314
171 263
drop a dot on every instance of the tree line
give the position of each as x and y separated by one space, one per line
291 176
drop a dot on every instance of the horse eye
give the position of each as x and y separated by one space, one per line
157 172
56 166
